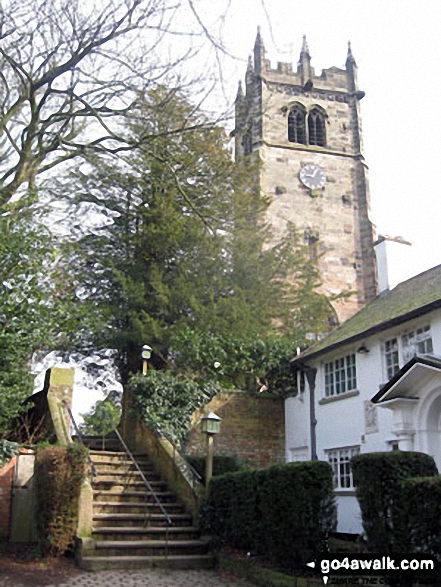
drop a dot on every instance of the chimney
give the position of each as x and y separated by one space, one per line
390 259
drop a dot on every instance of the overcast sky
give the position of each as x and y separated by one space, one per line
397 46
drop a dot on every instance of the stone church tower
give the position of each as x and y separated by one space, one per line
307 130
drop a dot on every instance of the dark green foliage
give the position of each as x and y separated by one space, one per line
7 451
222 464
169 400
60 473
102 418
186 249
420 508
377 477
285 512
235 360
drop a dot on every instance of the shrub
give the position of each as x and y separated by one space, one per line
60 473
420 505
285 511
169 400
377 478
222 464
8 450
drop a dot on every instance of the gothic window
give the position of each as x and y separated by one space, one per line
316 128
297 125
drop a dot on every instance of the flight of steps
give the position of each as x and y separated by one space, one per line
129 529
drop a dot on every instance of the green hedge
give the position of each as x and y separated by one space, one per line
60 473
222 464
420 505
378 477
284 512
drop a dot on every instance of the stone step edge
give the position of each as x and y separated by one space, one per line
105 544
177 561
140 516
150 529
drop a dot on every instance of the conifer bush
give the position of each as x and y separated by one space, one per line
284 512
420 507
378 477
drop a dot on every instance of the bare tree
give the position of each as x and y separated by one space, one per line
70 71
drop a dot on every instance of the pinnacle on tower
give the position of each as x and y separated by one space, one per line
304 65
350 58
259 52
305 49
351 69
239 95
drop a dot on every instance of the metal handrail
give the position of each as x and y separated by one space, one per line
78 433
146 482
158 433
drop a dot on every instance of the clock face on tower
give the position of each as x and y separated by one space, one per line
312 176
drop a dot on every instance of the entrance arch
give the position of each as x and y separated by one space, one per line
430 426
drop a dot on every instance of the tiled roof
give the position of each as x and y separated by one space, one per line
409 299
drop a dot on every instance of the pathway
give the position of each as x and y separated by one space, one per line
148 578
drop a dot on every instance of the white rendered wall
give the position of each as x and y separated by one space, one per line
342 423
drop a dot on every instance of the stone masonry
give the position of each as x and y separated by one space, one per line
335 218
252 428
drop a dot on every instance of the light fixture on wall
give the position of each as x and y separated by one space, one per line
363 350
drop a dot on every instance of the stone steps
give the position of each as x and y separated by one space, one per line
110 563
140 520
130 530
137 533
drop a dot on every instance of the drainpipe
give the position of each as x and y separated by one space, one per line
311 374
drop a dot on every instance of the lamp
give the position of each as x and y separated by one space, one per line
363 350
210 425
146 354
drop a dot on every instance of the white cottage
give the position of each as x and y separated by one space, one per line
374 384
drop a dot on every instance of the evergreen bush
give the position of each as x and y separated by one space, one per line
60 473
285 512
420 504
377 477
222 464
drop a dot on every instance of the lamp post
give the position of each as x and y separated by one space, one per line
146 354
210 425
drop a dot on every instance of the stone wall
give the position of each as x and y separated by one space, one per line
6 479
252 428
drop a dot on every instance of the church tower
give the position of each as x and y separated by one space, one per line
306 129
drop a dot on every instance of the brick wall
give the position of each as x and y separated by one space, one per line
6 479
252 428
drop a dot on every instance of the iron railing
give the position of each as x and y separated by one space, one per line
143 477
195 475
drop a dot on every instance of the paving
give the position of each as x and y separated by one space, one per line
148 578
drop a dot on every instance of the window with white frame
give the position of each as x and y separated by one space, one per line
399 350
340 376
417 342
339 459
391 357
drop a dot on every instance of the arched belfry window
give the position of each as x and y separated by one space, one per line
316 127
297 125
